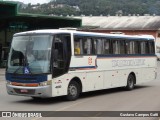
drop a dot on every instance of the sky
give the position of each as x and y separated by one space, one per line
31 1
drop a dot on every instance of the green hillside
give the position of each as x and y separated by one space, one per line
95 7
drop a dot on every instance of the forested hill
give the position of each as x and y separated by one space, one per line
94 7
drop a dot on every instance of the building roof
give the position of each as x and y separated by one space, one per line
121 22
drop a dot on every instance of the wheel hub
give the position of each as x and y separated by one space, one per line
72 90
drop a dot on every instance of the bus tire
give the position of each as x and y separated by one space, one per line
130 82
73 91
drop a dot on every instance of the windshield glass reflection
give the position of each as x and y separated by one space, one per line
31 51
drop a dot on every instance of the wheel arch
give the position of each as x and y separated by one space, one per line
132 73
78 80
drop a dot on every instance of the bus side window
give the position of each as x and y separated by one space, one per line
122 46
94 45
116 47
59 48
151 48
87 48
144 47
136 47
119 47
106 46
77 49
78 45
147 47
98 46
130 47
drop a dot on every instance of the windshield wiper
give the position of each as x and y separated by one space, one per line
17 69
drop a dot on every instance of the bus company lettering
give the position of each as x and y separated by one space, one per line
124 63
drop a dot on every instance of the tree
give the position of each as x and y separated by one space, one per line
97 7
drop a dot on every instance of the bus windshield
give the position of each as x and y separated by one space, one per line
31 51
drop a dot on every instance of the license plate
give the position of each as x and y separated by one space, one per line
24 91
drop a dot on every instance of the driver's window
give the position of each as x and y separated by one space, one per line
61 54
59 47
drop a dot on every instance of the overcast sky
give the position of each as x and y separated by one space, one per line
31 1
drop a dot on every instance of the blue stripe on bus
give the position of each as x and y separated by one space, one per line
26 78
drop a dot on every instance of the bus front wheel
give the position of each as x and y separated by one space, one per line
73 91
130 82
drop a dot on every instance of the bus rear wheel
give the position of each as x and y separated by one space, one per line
130 82
73 91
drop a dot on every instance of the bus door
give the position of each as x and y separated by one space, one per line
61 54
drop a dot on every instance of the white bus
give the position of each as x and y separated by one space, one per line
49 63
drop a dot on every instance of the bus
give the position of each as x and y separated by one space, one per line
51 63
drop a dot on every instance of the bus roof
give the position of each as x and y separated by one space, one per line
82 33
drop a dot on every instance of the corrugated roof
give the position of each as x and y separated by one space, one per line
122 22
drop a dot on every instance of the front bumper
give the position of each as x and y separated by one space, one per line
41 91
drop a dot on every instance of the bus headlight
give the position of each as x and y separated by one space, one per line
8 82
45 83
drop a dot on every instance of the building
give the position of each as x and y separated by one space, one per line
12 22
130 25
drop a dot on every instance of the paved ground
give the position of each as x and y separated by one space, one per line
2 71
